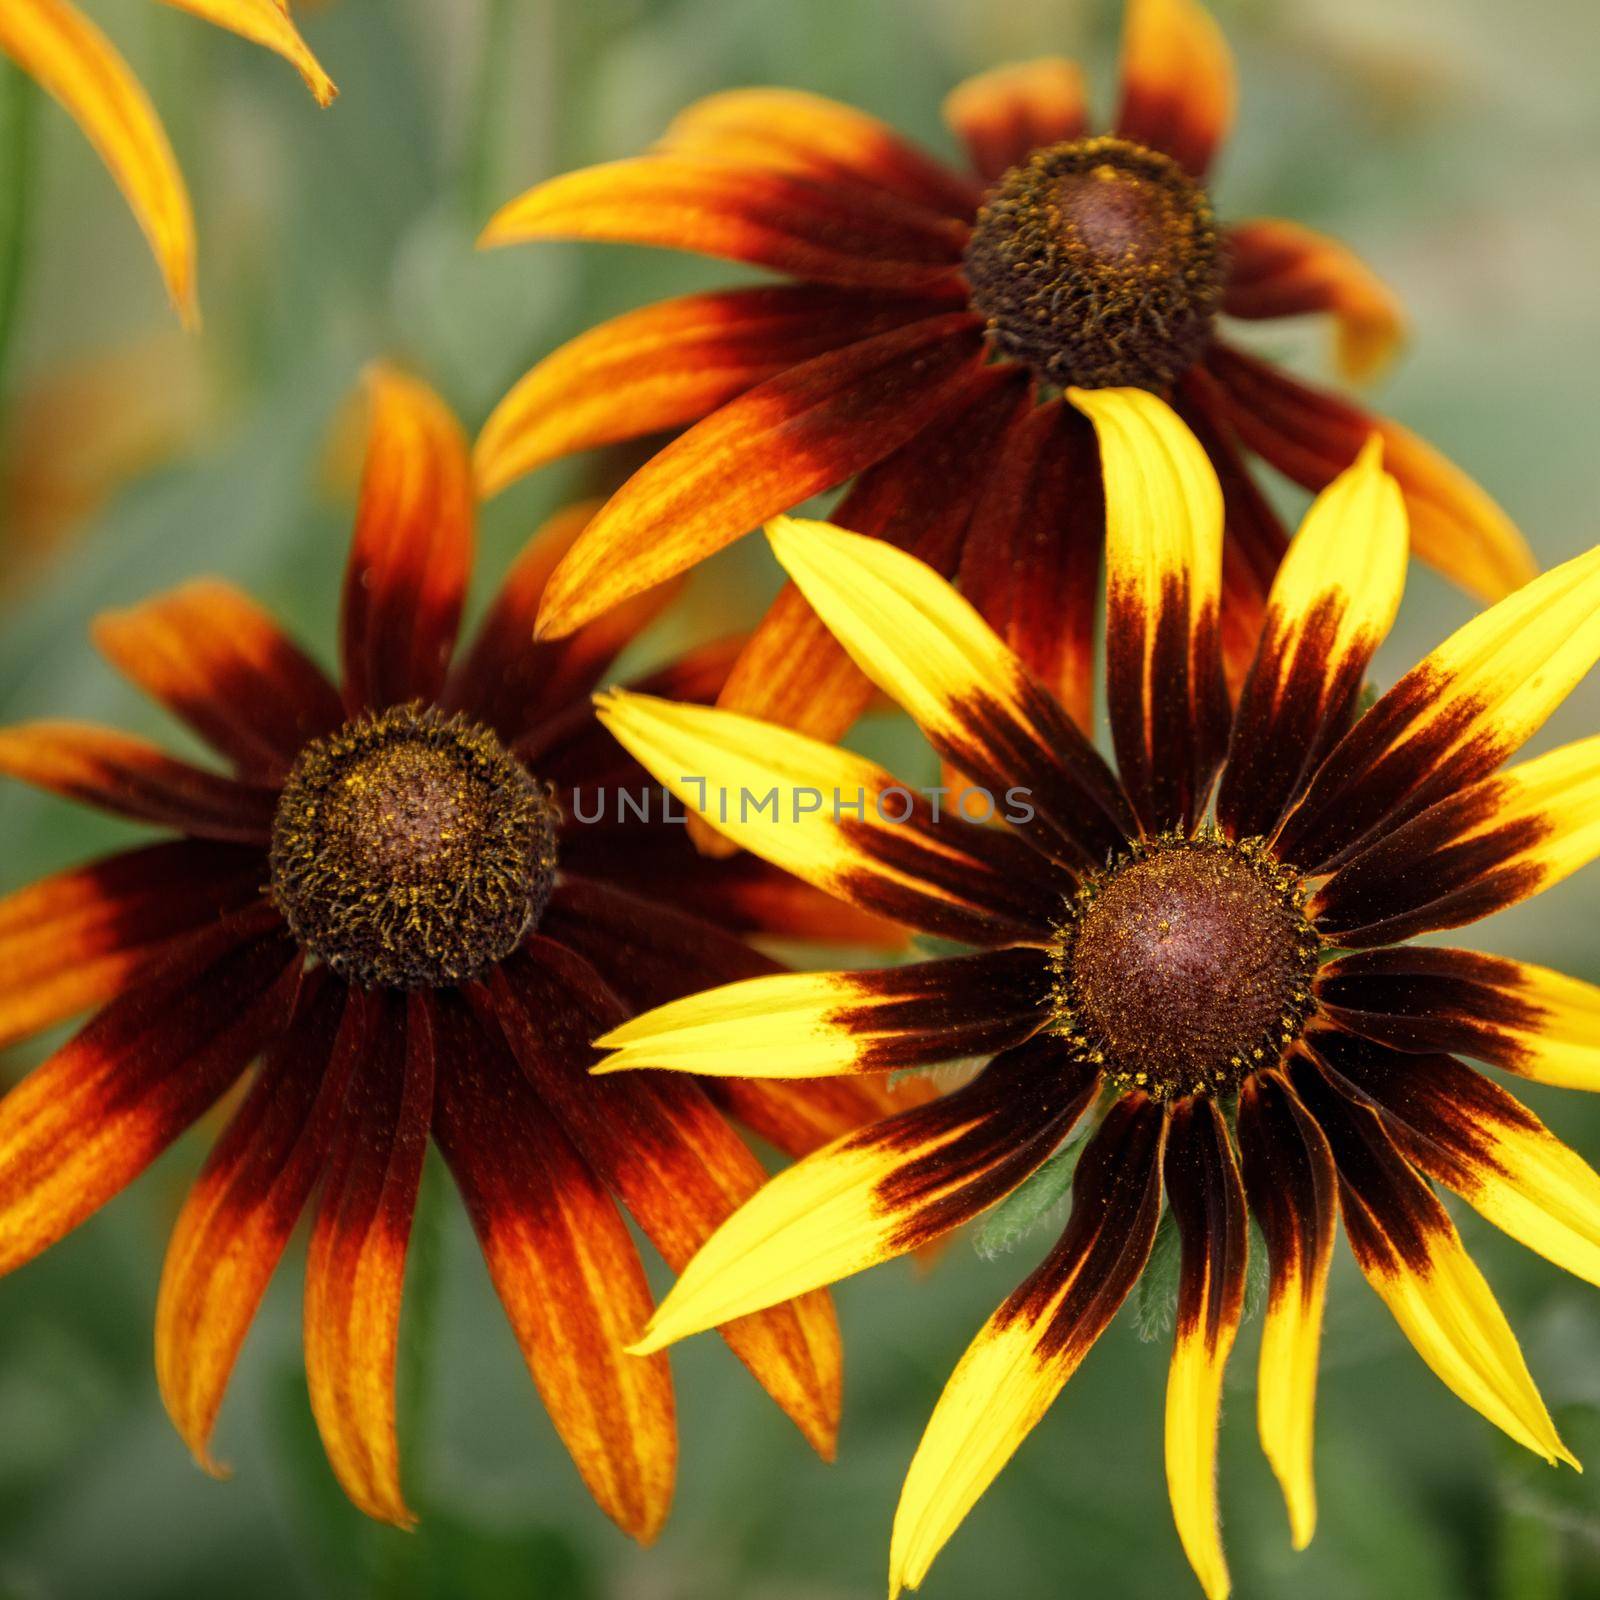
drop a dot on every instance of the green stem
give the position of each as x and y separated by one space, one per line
16 171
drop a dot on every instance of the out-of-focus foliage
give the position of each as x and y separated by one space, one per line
1453 142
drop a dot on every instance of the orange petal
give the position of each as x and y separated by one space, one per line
742 211
793 671
567 1273
1311 437
217 660
668 365
1031 559
1177 81
355 1267
70 57
808 430
104 1106
798 1116
1008 112
99 767
233 1227
1280 269
800 132
412 550
679 1169
266 22
75 940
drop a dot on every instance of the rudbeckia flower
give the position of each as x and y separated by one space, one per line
388 905
935 318
1204 955
55 44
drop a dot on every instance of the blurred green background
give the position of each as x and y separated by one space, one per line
1454 142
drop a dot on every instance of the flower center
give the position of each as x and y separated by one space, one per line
1098 263
410 851
1185 965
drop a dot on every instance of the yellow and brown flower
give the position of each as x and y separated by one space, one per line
1208 947
388 906
67 54
935 319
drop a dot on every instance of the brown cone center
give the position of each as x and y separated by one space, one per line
410 850
1097 263
1185 966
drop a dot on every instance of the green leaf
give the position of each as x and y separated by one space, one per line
1155 1296
1037 1199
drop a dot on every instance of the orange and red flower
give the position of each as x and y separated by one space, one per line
415 938
935 318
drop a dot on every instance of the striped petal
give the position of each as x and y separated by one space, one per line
216 660
793 131
1005 114
879 1192
69 56
77 939
825 1024
745 211
668 365
266 23
1177 81
88 1121
1207 1199
922 498
1254 538
1030 563
1454 717
1311 436
1164 518
676 1165
567 1273
929 650
117 773
1470 855
1289 1179
1014 1369
1331 606
795 803
515 683
412 550
807 430
237 1219
355 1264
1409 1250
1525 1019
1467 1133
1280 269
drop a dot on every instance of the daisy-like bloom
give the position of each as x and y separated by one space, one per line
935 320
1209 950
390 906
55 44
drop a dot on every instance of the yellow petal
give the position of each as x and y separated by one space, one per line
1164 516
266 22
1332 604
1014 1369
926 647
836 820
822 1024
1289 1179
876 1193
1457 714
75 62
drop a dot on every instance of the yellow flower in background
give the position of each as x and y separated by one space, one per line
1207 948
68 55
